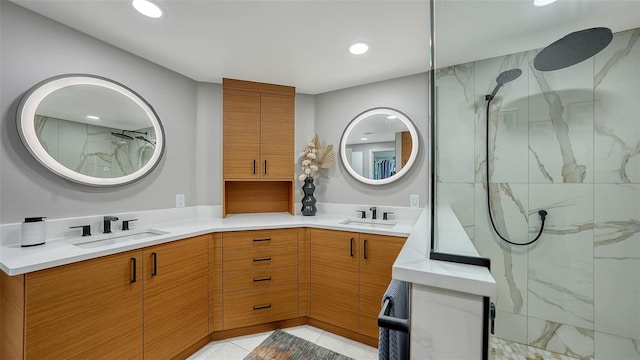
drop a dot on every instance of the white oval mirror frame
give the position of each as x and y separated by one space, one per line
360 118
25 118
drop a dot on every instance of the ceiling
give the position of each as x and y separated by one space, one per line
304 43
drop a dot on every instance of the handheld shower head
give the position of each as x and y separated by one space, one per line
503 78
122 136
145 140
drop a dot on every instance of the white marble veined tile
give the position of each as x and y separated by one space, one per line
611 347
460 197
617 221
226 350
249 342
305 332
207 351
560 338
455 118
617 296
617 110
508 263
560 279
508 125
511 327
561 125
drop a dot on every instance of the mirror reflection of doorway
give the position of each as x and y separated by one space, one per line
356 162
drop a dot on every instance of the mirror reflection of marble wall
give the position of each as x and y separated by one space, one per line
567 141
92 150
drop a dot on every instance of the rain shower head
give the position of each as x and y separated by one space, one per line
122 136
503 78
573 49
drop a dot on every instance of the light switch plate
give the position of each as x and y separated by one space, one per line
414 201
180 200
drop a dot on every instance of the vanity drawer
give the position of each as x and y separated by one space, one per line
253 307
259 239
260 278
260 258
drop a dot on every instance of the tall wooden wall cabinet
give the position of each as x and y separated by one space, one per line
258 147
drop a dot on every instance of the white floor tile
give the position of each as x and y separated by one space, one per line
305 332
207 351
347 347
229 351
250 342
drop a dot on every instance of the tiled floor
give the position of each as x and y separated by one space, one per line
239 347
507 350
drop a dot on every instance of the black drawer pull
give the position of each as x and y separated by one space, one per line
154 258
262 307
133 270
365 249
262 259
265 167
262 279
254 167
261 240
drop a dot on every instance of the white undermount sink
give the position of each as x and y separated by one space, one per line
94 241
384 224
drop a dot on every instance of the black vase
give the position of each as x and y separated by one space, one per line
308 201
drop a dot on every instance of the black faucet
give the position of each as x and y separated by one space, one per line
107 223
373 212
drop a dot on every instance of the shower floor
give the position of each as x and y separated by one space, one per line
506 350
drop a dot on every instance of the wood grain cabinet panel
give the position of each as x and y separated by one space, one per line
378 253
334 277
241 134
175 296
87 310
349 275
276 152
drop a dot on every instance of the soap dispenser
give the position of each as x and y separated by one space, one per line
33 231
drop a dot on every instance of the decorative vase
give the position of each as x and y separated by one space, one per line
308 201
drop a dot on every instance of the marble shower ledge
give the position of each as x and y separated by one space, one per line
414 266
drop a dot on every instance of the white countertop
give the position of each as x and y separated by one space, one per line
413 263
15 260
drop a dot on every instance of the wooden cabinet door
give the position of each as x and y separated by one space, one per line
241 134
334 277
377 255
87 310
175 296
277 136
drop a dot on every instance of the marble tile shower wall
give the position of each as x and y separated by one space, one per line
567 141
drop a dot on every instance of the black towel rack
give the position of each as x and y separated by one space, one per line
390 322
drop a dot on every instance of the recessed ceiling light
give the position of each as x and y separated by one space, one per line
147 8
358 48
543 2
391 117
363 138
92 117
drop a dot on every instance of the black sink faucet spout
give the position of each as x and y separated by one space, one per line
107 223
373 212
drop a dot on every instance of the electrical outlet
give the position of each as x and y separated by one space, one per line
180 200
414 201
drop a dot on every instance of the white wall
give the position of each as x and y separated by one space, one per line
34 48
334 111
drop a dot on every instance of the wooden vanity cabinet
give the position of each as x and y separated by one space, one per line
258 147
176 303
260 277
349 275
113 307
87 310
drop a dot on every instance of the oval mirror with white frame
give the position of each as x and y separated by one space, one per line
90 129
379 146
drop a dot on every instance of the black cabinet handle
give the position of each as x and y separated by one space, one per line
351 247
154 258
262 259
261 240
262 307
365 249
254 167
133 270
262 279
265 167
